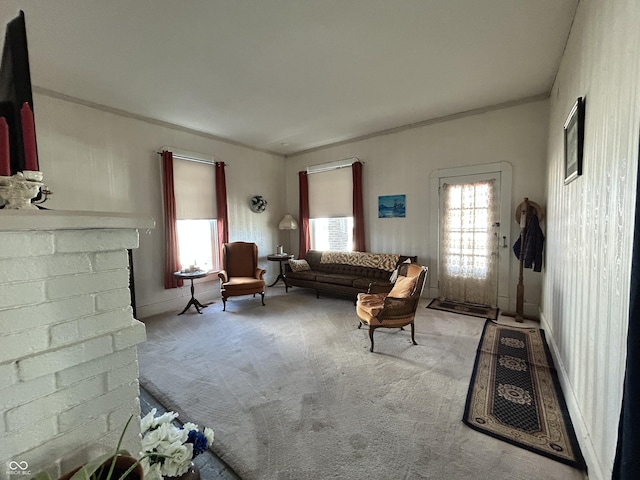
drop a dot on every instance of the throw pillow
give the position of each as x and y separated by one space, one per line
403 287
299 265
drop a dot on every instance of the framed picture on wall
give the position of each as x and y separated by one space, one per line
392 206
573 142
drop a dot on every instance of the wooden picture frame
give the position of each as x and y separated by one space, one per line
573 142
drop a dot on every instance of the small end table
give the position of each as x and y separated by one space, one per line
276 257
191 276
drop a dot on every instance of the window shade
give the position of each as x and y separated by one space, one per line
194 187
330 194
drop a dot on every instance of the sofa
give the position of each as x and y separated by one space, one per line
343 273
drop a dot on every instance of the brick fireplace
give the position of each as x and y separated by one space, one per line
68 357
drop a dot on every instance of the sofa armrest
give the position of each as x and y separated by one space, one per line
259 273
222 275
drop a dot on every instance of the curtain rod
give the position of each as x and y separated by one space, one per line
335 165
190 156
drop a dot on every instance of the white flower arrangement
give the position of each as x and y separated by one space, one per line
167 450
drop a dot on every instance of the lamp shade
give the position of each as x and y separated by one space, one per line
288 223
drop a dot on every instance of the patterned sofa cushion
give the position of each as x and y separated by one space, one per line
299 265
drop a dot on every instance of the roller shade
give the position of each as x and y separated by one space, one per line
194 187
331 194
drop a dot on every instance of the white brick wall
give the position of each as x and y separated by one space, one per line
17 245
95 240
68 361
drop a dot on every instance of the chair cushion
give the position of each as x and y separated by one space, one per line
242 283
299 265
371 303
413 270
403 287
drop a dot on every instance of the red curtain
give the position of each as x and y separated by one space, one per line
358 208
221 204
171 258
305 238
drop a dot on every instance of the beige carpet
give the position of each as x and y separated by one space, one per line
293 392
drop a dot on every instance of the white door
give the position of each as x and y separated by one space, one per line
469 238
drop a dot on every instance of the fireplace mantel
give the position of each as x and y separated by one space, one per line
17 220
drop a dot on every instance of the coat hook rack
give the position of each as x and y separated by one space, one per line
524 211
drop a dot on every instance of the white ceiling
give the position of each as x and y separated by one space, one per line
291 75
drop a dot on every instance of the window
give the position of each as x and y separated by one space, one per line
194 187
330 210
197 243
332 233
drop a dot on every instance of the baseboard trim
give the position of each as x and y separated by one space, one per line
177 304
596 472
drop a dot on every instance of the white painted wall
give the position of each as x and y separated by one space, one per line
402 162
99 161
590 221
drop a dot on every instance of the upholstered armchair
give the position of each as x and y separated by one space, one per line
396 308
240 274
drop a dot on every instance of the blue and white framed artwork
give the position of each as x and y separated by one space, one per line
391 206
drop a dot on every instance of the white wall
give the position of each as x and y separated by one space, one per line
402 162
99 161
590 221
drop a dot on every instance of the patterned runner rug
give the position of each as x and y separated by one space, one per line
515 394
464 308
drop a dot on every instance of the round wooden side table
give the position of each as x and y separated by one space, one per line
277 257
191 276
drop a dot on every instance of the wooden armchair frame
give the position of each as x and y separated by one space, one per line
394 312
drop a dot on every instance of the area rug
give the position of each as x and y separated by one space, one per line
464 308
515 395
293 392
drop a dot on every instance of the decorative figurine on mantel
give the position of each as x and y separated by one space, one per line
19 189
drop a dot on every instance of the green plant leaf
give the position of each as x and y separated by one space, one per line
93 469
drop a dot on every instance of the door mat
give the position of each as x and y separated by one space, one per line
464 308
515 395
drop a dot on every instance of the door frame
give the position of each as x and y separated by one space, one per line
505 171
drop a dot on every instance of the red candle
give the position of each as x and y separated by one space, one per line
29 138
5 156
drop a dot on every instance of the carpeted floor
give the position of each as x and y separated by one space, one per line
293 392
